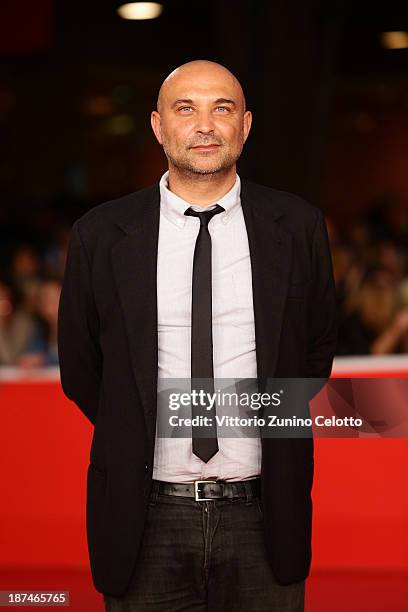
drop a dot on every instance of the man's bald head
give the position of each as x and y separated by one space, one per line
199 69
201 120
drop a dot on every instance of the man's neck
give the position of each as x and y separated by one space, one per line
201 189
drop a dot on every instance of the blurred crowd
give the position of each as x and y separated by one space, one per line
30 286
370 262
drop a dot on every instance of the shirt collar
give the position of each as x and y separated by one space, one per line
173 207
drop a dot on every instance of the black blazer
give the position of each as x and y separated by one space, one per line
107 337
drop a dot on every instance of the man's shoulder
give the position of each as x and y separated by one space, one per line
122 209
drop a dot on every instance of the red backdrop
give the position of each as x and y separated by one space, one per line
360 490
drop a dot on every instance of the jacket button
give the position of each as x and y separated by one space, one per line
146 467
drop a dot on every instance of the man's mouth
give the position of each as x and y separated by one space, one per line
205 147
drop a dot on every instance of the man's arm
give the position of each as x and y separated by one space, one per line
323 315
80 356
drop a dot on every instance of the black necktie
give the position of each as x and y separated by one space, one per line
204 438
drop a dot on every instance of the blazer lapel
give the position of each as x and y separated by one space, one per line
270 250
134 261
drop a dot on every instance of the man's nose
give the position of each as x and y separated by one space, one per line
205 122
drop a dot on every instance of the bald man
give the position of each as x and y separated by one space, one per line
199 278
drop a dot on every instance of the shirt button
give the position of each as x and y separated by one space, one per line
146 467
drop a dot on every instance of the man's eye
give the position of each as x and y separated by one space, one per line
182 108
222 108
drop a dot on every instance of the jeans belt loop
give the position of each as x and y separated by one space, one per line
248 491
154 492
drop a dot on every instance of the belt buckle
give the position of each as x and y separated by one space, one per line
196 490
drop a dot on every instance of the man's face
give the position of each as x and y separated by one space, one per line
201 120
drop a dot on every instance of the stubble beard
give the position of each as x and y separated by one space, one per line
184 165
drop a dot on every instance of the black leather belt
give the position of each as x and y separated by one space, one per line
209 490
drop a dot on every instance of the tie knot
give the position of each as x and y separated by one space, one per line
206 215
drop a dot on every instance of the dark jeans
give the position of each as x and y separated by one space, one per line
205 556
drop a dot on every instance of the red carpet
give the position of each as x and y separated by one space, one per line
326 592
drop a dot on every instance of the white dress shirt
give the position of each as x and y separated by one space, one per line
233 326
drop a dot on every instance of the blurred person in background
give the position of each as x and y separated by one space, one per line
359 237
16 323
25 269
348 272
56 252
25 264
394 339
375 322
41 349
392 257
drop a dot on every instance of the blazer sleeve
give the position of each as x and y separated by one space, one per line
323 314
80 356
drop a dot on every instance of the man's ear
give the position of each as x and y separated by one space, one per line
247 123
155 121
